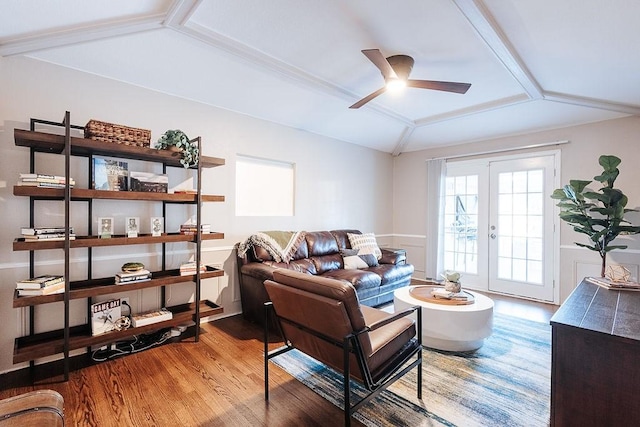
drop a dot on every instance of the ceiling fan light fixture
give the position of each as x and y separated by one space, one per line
395 85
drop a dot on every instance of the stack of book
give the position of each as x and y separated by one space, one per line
193 228
41 180
610 284
35 234
189 268
136 276
151 317
41 285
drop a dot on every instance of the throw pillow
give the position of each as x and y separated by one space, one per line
349 252
370 259
366 243
354 262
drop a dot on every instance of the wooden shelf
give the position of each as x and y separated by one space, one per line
50 343
89 288
51 143
117 240
38 345
79 194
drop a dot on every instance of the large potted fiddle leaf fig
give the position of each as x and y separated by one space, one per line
598 214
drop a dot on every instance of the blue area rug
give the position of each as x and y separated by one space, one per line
504 383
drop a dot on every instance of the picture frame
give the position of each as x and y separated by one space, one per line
157 225
105 227
132 226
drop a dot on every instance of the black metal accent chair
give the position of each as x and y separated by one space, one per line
322 318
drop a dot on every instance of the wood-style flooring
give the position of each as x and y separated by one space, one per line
215 382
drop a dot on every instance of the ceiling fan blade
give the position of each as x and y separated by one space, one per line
444 86
368 98
381 62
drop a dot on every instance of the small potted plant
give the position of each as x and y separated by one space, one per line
179 141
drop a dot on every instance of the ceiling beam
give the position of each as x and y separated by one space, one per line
488 29
79 34
403 140
592 103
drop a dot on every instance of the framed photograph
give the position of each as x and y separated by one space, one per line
105 227
157 225
132 226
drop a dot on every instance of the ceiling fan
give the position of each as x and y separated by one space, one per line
396 69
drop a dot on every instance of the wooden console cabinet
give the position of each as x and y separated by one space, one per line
595 355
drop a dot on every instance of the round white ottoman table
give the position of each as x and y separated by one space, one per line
451 327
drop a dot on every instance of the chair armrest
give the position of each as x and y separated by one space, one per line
399 315
393 256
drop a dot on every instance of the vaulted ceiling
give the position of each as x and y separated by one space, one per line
533 64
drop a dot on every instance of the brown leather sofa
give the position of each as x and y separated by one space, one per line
320 254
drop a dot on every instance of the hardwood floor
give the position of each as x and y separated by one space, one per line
216 382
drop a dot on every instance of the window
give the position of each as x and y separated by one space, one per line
264 187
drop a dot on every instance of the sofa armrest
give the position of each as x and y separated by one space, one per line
393 256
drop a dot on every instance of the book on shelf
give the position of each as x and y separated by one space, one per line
111 175
39 282
47 290
44 230
193 228
105 315
48 236
150 317
31 178
138 276
610 284
47 239
44 184
189 268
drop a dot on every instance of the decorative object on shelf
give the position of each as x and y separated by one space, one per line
156 226
109 132
132 267
149 182
618 273
110 175
452 281
104 316
132 226
179 140
598 214
106 227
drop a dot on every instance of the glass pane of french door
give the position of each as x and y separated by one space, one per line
465 222
521 227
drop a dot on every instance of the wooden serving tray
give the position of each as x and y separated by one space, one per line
423 293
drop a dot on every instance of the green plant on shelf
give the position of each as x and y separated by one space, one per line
179 141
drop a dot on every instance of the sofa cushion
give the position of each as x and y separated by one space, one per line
366 243
360 279
321 243
327 262
390 273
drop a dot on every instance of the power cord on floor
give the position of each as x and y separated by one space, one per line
138 343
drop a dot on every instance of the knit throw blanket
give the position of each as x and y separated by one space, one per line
281 245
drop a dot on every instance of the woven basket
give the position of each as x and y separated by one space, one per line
109 132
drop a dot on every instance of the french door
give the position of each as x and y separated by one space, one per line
499 224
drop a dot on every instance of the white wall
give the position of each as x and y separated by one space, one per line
338 185
618 137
